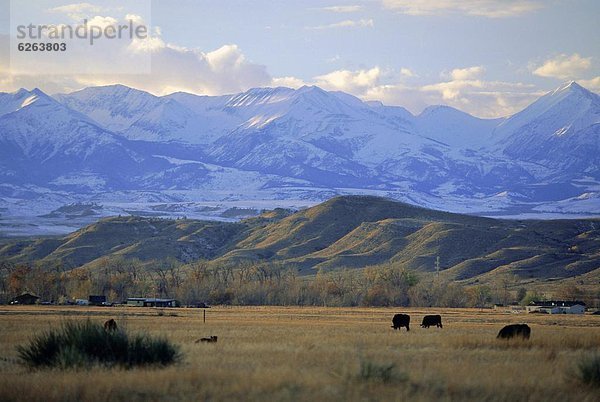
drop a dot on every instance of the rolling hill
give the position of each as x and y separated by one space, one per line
343 232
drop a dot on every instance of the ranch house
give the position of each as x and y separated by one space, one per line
557 307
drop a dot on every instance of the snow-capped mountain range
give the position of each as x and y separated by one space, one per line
119 145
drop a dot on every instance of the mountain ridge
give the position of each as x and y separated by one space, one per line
275 144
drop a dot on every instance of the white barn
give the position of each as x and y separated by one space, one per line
556 307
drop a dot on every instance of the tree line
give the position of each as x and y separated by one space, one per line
262 284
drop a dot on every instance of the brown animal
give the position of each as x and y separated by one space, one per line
211 339
110 325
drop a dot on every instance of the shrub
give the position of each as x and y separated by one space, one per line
588 370
370 371
84 344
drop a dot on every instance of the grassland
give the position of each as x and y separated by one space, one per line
315 354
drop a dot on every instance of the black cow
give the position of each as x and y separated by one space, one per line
514 331
401 320
430 320
110 325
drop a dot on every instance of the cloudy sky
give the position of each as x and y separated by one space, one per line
486 57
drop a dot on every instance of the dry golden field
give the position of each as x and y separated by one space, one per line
315 354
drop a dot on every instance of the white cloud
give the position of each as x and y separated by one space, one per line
468 73
481 98
564 66
102 22
464 89
592 84
343 9
453 90
405 72
289 82
484 8
223 70
362 23
77 11
135 19
349 81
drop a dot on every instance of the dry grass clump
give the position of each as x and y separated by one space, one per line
86 344
383 372
588 370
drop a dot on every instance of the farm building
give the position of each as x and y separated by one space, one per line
151 302
136 301
25 298
556 307
95 300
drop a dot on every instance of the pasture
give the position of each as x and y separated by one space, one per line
314 354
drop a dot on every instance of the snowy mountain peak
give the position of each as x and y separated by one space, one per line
110 93
570 86
12 102
570 104
260 96
374 103
440 109
265 140
571 91
559 130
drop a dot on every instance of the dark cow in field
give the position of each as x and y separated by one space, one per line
401 320
430 320
515 331
210 339
110 325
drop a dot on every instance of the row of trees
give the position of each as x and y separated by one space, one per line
258 284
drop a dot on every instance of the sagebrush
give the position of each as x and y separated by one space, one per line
81 344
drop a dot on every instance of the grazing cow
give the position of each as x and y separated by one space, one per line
110 325
210 339
401 320
430 320
514 331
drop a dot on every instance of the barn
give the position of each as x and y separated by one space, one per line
25 298
97 300
556 307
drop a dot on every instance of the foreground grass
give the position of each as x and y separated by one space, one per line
83 344
309 354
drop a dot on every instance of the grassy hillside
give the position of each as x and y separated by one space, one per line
129 237
350 232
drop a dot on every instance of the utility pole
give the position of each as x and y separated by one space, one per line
437 266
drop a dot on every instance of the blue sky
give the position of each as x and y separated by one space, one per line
487 57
